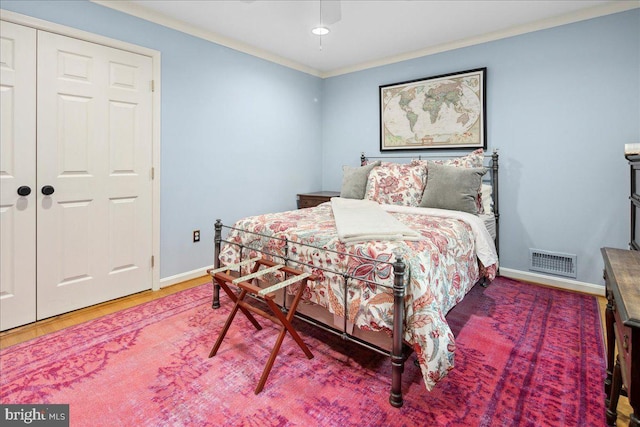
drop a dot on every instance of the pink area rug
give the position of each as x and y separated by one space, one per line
526 356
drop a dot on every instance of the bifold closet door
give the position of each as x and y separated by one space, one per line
94 195
17 175
75 174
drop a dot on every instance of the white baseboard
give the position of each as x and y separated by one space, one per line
527 276
556 282
183 277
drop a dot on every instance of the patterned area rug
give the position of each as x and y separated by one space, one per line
526 356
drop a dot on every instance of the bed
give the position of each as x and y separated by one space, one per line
389 292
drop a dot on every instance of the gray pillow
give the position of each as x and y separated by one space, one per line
452 187
354 180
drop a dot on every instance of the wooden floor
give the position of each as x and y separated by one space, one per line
34 330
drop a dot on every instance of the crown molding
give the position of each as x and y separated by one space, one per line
52 27
583 15
164 20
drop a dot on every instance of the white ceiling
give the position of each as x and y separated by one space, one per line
368 33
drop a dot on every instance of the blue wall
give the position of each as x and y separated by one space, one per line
561 104
241 135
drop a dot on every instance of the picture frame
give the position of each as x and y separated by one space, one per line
447 111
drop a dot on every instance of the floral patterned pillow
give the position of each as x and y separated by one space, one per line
396 184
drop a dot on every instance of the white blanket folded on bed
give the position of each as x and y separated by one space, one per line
365 220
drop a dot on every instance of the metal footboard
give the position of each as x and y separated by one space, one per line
397 353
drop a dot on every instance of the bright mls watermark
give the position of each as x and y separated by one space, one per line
34 415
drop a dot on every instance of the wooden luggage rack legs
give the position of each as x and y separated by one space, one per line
222 277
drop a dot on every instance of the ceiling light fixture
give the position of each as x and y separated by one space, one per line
330 12
320 31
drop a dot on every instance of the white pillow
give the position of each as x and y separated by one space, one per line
487 198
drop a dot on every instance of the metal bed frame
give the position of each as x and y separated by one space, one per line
399 351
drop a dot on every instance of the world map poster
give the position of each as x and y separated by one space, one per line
440 112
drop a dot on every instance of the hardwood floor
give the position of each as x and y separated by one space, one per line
34 330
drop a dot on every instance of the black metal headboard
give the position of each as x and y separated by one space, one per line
491 161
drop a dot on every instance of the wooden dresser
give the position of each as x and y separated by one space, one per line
309 200
622 281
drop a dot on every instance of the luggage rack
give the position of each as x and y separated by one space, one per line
244 283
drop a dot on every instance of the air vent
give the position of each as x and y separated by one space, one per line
553 262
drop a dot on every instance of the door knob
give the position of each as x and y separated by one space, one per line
24 190
47 190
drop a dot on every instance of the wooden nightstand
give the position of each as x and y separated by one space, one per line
309 200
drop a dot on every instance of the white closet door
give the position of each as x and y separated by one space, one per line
17 169
94 107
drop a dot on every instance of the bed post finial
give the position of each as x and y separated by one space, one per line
397 355
363 159
494 164
217 239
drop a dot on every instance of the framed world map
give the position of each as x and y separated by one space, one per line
440 112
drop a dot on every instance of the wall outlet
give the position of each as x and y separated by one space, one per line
196 236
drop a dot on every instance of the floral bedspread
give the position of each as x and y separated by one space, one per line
441 269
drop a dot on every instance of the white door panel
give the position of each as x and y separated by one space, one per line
90 108
17 168
94 131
